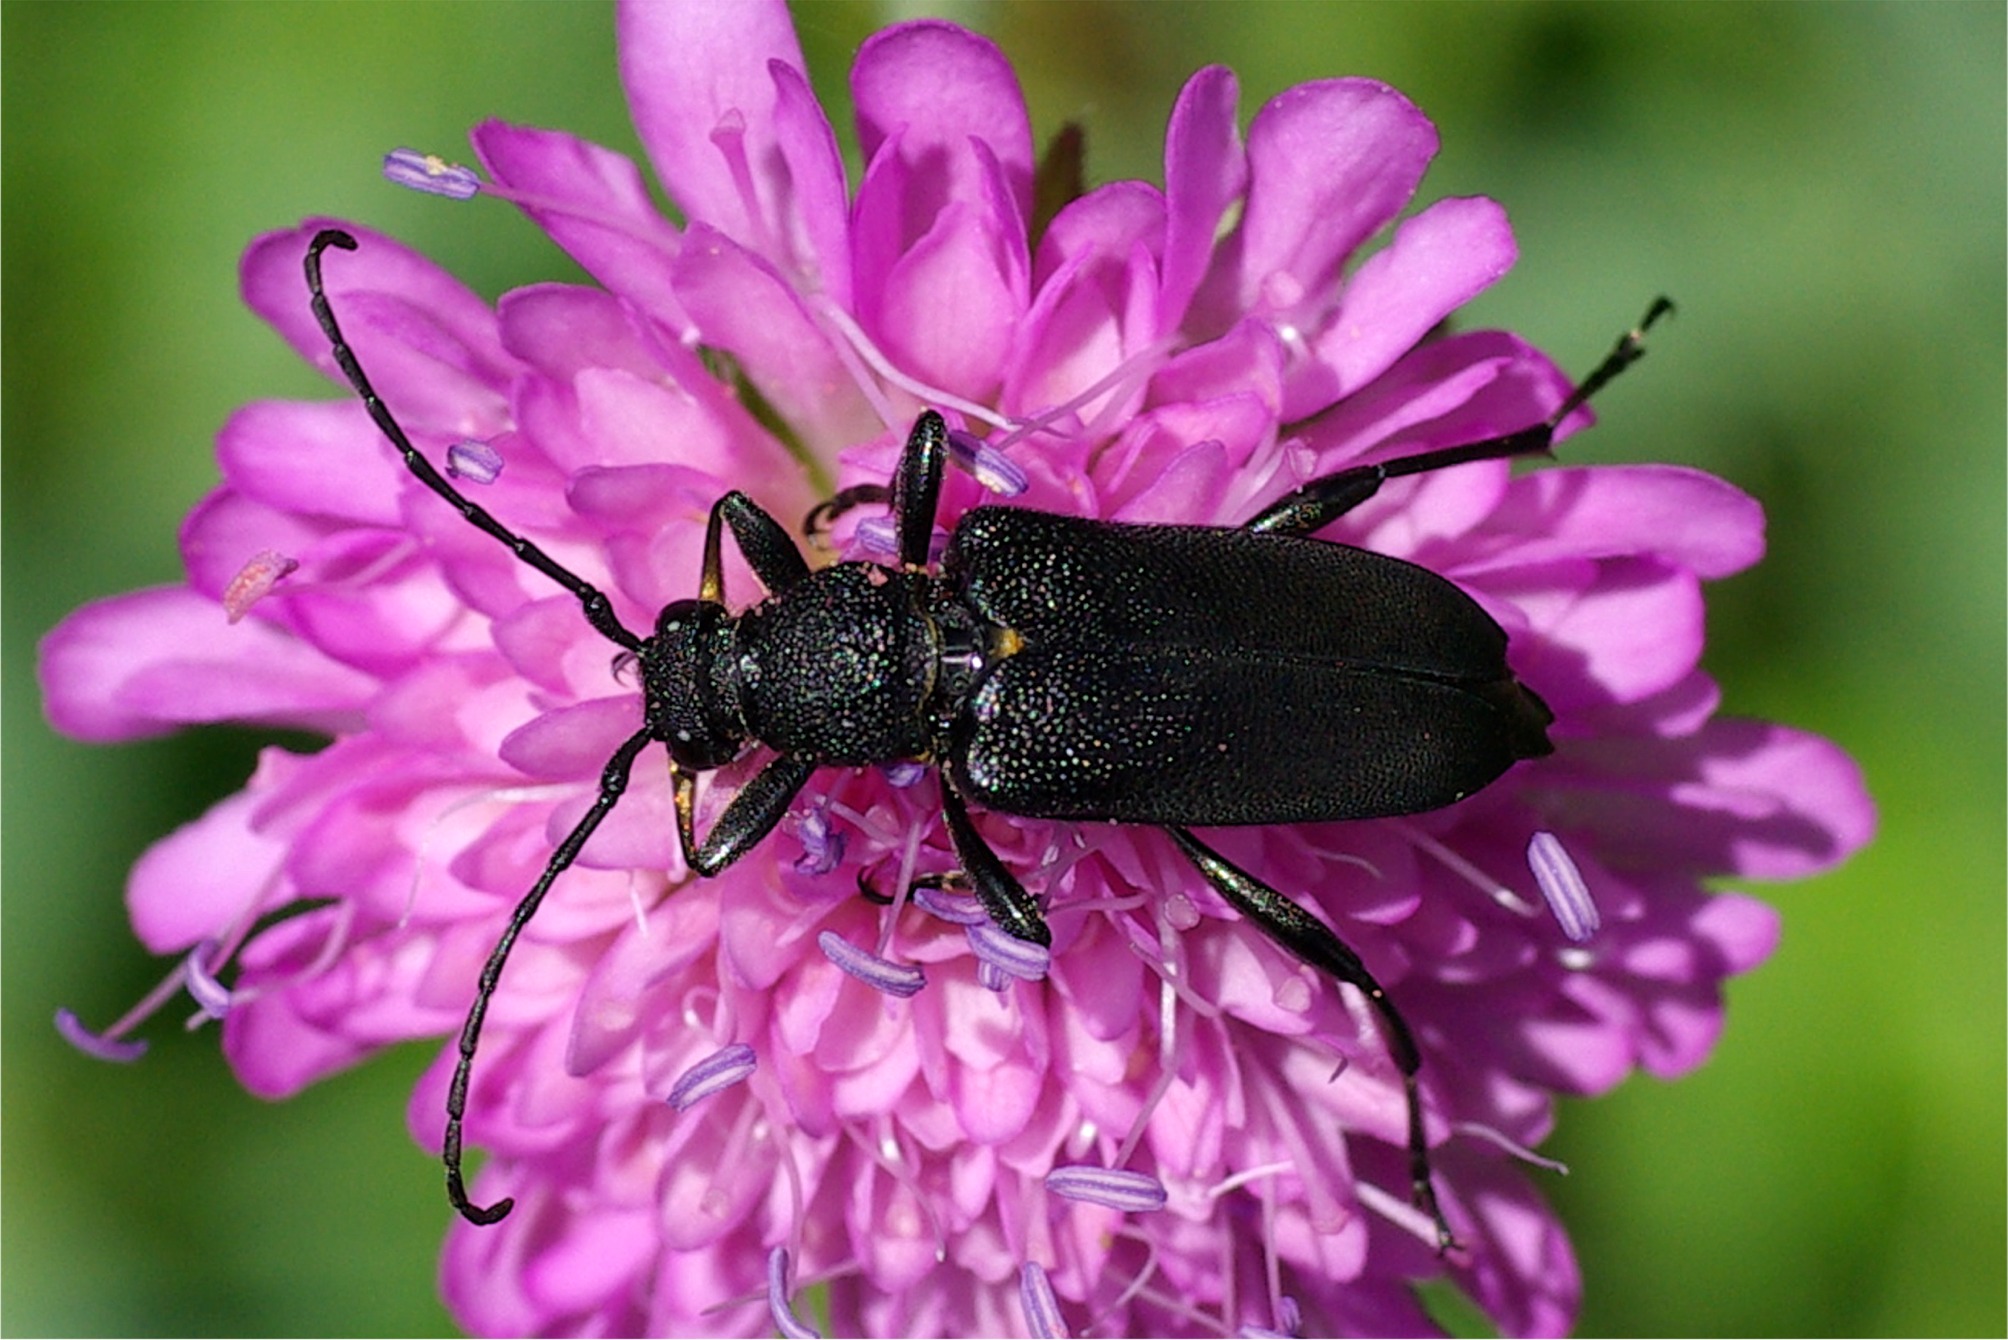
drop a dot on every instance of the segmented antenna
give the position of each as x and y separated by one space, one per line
613 778
599 610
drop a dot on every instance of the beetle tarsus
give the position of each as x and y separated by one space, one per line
1296 931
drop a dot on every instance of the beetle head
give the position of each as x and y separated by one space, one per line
689 695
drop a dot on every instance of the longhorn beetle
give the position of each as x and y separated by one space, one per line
1057 667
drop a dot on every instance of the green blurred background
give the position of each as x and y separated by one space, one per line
1820 186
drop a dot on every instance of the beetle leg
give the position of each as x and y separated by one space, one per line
749 817
916 487
1325 499
1296 930
769 552
613 781
1014 910
825 513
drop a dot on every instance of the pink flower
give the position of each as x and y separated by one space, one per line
707 1102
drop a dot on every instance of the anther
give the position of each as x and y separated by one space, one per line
895 979
720 1070
431 174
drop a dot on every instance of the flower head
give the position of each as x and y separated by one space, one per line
706 1096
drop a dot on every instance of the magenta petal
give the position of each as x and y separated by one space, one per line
742 305
1204 171
429 343
695 72
575 741
613 1005
601 1254
946 310
204 876
1633 631
935 87
821 208
147 662
1739 797
1329 165
1438 261
600 212
319 458
1692 518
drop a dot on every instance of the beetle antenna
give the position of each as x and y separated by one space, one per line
1629 349
613 781
599 610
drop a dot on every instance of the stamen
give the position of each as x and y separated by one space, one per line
1114 1188
1397 1212
720 1070
1138 1283
1042 1309
254 581
1235 1181
1289 1321
1020 958
878 536
992 978
1487 885
785 1320
1138 367
961 908
855 338
895 979
822 847
431 174
474 461
102 1046
1562 885
1512 1146
993 469
210 994
902 774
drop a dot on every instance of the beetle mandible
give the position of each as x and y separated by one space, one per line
1058 667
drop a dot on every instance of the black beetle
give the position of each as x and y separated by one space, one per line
1058 667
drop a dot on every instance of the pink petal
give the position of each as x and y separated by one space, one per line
1634 630
572 742
1205 170
600 1254
697 73
1737 797
1439 260
145 663
946 312
602 215
611 1010
1691 518
565 329
1329 164
820 204
202 877
742 305
934 87
317 458
428 343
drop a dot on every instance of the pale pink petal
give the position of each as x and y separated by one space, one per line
428 343
600 211
148 662
697 81
1204 171
1438 260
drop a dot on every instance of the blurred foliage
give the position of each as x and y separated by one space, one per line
1820 186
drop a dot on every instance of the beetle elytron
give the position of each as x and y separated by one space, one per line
1056 667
